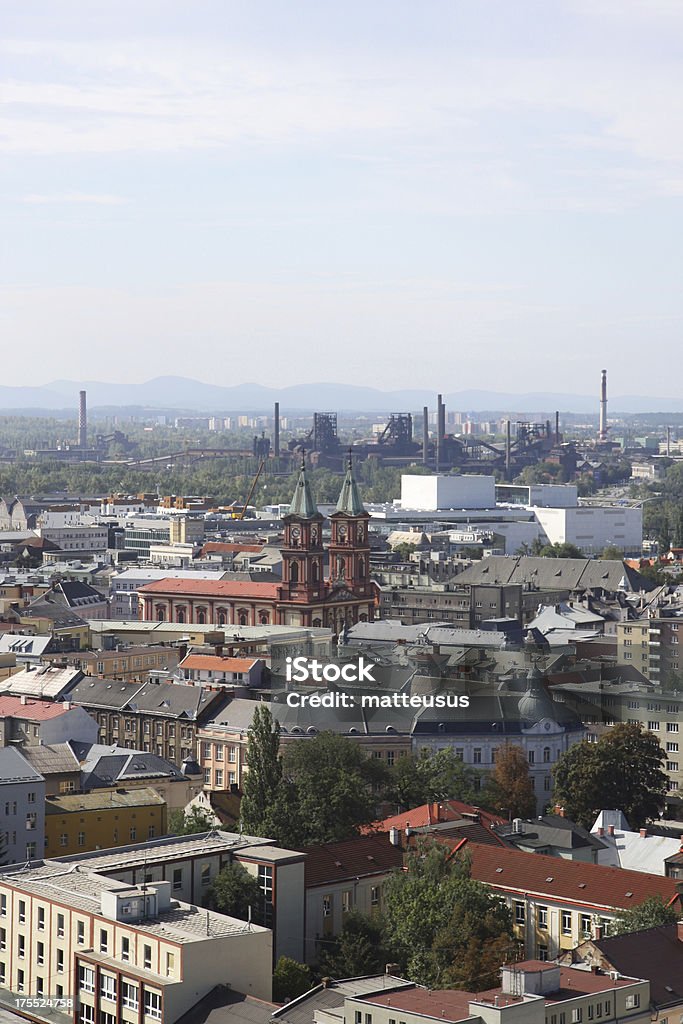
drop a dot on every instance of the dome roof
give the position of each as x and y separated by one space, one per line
535 703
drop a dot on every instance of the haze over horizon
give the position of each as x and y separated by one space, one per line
486 195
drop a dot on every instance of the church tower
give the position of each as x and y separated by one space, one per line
349 550
302 551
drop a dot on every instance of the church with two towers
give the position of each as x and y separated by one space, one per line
321 586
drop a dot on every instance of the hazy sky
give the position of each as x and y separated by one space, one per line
445 194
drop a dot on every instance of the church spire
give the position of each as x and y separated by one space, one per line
349 497
303 503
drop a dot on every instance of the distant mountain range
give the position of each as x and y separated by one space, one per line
184 394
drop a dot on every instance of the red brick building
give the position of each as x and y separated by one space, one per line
305 597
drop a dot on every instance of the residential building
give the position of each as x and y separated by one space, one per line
189 864
556 903
341 877
103 766
26 722
58 765
102 819
45 683
554 835
649 849
157 718
133 662
120 952
22 807
213 670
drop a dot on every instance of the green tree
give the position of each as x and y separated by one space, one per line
441 926
651 912
290 979
422 778
623 770
510 790
261 786
234 892
357 950
612 552
196 820
334 783
565 550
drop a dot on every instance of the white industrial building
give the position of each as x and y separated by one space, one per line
435 492
593 527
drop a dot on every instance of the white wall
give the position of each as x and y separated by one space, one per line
593 527
444 492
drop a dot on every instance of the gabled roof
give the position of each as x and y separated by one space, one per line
214 663
31 710
15 768
52 758
655 954
558 879
351 858
49 683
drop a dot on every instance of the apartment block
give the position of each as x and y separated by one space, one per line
22 807
119 953
102 819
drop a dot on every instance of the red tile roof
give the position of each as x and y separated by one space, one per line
352 858
33 710
213 589
573 881
227 549
214 663
430 814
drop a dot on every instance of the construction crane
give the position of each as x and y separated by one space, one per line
252 489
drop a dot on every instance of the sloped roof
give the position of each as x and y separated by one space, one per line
47 682
556 573
556 878
303 504
31 710
349 502
15 768
655 954
215 663
71 803
351 858
212 588
51 758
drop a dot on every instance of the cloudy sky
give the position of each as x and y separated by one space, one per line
449 194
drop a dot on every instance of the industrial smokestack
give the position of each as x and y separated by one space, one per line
82 421
508 449
439 435
602 431
276 430
425 434
442 418
557 428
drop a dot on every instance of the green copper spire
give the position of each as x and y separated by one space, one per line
349 498
303 503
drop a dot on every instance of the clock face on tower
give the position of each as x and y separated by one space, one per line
295 534
341 532
360 533
314 534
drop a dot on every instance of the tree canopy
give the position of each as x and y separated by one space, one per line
357 950
442 927
623 771
419 779
188 823
510 789
236 893
262 783
651 912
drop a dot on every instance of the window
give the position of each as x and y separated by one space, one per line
566 922
30 851
232 755
218 751
207 776
519 913
608 1007
327 906
346 901
672 766
153 1004
20 981
3 938
125 948
476 755
546 755
632 1001
63 839
40 953
206 874
86 1014
104 941
108 987
86 979
542 952
129 995
81 838
40 986
21 946
653 726
177 878
577 1015
542 917
2 972
40 921
374 896
147 957
672 726
3 906
532 757
219 777
672 748
170 965
591 1011
22 911
31 818
60 961
585 926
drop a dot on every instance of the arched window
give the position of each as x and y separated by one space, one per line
161 613
181 615
201 617
263 618
316 623
222 618
293 573
243 618
546 754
